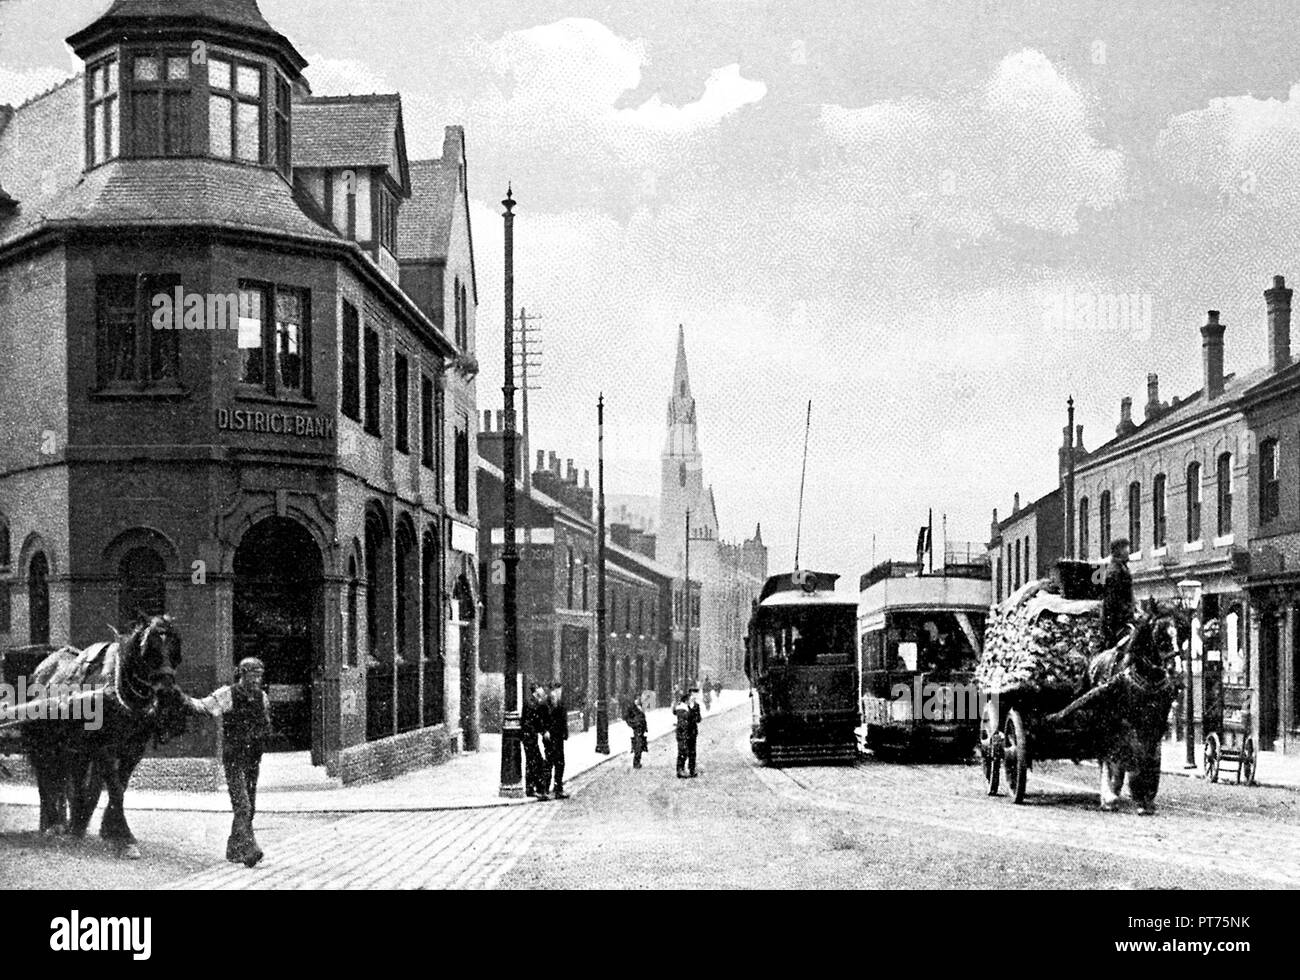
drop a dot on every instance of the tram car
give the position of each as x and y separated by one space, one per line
921 634
801 660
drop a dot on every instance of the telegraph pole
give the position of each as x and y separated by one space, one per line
686 667
525 362
602 704
511 775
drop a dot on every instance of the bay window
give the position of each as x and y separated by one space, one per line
235 114
102 126
160 104
129 351
274 339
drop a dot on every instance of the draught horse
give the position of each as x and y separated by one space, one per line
134 677
1134 715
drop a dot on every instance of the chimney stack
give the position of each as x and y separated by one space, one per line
586 479
1278 300
552 463
1153 396
541 460
501 420
1212 355
1125 417
1015 505
487 421
570 472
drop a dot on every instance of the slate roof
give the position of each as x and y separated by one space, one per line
1234 387
348 131
424 227
238 13
41 153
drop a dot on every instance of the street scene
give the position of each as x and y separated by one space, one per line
665 447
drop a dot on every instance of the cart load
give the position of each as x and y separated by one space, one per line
1040 643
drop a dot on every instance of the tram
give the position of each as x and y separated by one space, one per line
801 660
921 636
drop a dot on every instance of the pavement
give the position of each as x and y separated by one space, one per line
289 784
1271 768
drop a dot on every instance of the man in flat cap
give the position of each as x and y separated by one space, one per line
687 712
245 711
554 735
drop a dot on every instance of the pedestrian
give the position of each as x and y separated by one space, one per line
636 721
708 693
531 726
245 711
687 712
555 733
1116 595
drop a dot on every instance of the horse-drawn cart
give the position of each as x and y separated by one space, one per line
1233 745
1020 727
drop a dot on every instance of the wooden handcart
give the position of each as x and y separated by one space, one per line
1233 746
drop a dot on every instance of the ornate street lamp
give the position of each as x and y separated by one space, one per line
1189 591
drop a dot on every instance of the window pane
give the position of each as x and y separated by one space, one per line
249 80
218 73
250 336
146 111
111 85
97 83
146 70
116 315
219 126
289 340
249 140
111 140
176 135
178 69
97 154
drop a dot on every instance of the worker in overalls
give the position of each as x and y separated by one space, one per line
245 711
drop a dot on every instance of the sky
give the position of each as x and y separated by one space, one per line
905 212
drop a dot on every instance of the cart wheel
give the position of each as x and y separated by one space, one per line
1015 755
1211 762
991 749
1247 762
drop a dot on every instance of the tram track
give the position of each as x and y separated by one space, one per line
1240 847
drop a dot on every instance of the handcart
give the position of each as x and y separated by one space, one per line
1233 746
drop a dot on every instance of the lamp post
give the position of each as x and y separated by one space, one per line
511 737
602 705
1189 591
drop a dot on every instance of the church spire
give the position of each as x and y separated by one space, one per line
682 439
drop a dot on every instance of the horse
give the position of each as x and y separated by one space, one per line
134 678
1135 718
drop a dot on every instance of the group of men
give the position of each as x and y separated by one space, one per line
545 727
686 713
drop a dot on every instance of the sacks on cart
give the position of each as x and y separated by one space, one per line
1039 643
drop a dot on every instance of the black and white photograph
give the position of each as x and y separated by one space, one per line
663 447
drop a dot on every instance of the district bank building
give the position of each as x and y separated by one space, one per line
295 484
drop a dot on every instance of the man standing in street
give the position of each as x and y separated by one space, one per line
246 713
532 725
554 735
1116 595
687 712
636 721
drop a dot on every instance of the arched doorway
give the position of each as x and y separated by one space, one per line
279 617
468 616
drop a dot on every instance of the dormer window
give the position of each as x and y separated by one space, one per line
386 220
160 104
102 128
235 110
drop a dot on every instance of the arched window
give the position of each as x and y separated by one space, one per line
1193 502
1268 491
1224 477
140 589
1103 523
1159 528
352 638
1135 516
38 600
1083 527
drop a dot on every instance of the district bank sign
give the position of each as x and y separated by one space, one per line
276 423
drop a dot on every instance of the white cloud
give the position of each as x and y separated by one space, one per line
344 76
1018 151
17 86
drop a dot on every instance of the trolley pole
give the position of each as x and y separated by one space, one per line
511 737
602 702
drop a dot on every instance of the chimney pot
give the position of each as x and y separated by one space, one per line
541 459
1212 355
1278 300
1015 505
1153 395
